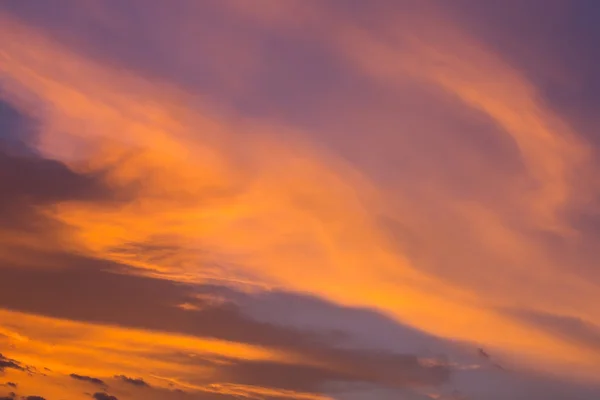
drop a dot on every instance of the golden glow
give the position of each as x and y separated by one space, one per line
103 351
199 188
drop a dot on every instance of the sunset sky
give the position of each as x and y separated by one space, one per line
299 200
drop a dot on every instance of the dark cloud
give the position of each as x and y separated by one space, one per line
78 292
341 366
11 384
133 381
30 182
89 379
41 181
103 396
136 302
35 398
28 177
10 363
148 303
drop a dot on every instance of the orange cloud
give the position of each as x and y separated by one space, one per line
102 351
206 196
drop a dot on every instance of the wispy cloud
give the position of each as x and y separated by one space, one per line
394 162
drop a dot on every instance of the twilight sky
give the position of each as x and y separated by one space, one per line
299 199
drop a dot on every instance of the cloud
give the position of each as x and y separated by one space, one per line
90 379
354 368
6 362
135 302
317 193
40 180
435 185
103 396
29 182
133 381
282 358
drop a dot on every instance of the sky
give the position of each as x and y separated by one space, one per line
299 199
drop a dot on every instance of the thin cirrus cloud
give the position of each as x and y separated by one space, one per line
410 169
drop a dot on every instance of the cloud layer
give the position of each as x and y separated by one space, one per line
295 200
